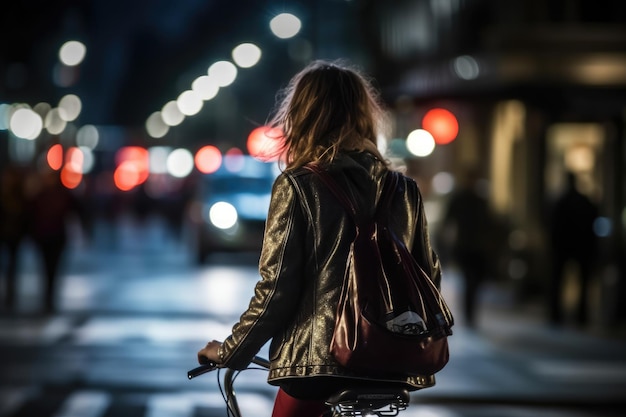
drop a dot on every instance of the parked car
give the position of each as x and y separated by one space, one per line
230 207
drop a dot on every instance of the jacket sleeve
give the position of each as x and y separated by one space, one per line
277 294
422 248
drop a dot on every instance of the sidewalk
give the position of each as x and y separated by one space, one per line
514 357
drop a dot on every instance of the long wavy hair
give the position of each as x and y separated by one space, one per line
326 108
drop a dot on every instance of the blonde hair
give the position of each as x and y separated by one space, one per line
326 108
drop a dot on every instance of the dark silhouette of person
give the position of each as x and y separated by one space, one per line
51 208
572 239
13 222
469 218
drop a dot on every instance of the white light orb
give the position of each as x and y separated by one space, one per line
420 142
223 72
156 126
285 25
246 55
158 159
171 114
25 123
180 163
189 103
443 183
54 123
206 87
70 106
72 53
223 215
87 136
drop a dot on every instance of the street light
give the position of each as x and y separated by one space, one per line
246 55
223 72
72 53
285 25
420 142
206 87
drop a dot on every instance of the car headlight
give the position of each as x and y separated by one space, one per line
223 215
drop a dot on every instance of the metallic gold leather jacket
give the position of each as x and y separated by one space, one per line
305 248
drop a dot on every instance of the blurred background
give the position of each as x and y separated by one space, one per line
134 189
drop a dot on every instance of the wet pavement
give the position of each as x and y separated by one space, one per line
134 309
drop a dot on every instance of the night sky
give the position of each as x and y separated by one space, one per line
140 53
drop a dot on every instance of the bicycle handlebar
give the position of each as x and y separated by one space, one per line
211 366
349 402
202 369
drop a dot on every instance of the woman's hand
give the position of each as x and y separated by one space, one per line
209 353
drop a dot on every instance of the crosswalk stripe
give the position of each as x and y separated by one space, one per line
181 404
85 404
26 330
584 372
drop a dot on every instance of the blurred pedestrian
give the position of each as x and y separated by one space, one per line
469 223
12 228
573 242
51 209
330 116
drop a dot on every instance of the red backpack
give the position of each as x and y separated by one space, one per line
391 318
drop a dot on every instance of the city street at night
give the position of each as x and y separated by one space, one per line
149 142
135 309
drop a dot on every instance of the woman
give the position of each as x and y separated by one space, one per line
330 115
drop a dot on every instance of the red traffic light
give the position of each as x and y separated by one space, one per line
442 124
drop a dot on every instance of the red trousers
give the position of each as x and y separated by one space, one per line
288 406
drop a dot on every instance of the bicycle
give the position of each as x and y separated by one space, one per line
381 402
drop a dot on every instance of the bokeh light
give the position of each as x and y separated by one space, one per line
264 143
189 103
180 163
72 53
88 159
223 215
4 116
603 226
70 107
132 167
42 109
87 136
158 159
54 157
206 87
234 160
126 176
443 182
171 114
74 159
70 178
246 55
285 25
223 72
208 159
420 142
466 67
25 123
442 124
54 123
156 126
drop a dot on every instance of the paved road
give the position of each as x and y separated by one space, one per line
135 310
